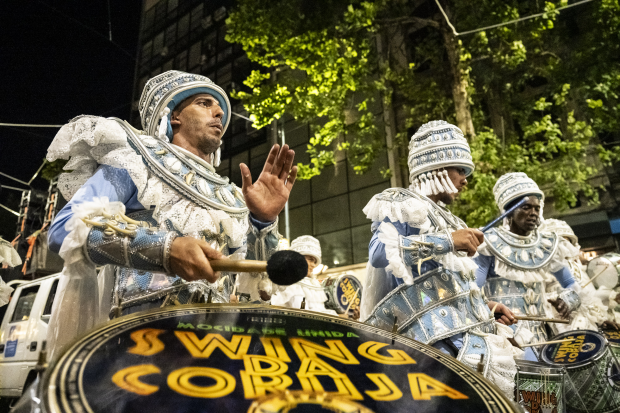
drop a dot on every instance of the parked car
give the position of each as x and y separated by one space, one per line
22 332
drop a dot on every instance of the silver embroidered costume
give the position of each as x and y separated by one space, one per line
514 269
592 311
182 196
417 283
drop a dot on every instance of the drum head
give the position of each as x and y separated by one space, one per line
605 265
240 358
613 337
586 347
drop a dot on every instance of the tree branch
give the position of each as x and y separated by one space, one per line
410 20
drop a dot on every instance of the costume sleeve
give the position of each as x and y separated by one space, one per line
484 263
565 277
110 182
262 240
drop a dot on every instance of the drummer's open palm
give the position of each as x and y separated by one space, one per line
267 196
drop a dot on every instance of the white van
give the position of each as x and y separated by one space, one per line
23 330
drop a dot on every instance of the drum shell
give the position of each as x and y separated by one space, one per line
610 278
588 387
339 290
79 380
538 383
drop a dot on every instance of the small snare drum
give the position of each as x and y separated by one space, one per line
608 266
540 387
591 384
344 293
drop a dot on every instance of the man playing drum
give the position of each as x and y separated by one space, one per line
516 261
180 212
420 280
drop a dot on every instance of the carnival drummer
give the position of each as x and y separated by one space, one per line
179 212
420 279
308 291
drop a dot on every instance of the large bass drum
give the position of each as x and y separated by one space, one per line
250 358
344 293
592 383
606 269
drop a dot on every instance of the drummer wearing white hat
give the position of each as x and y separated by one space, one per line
419 261
308 291
516 260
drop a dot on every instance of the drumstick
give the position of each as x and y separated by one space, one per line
284 267
548 342
593 278
504 215
542 319
352 301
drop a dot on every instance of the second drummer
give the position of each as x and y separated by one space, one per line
307 291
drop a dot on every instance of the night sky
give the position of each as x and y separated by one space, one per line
56 62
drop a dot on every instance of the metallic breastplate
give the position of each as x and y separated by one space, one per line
438 305
521 299
134 287
525 253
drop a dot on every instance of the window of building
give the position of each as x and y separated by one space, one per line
25 301
224 74
331 182
158 44
360 237
207 22
336 248
210 44
220 14
181 61
171 34
168 65
160 12
145 56
194 56
148 20
331 214
196 18
183 26
222 37
172 5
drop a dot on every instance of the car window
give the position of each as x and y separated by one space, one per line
47 311
25 301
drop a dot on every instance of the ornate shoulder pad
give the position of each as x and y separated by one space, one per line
200 184
398 205
526 253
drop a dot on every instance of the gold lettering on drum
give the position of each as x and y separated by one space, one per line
311 367
386 389
146 341
234 349
129 379
335 350
423 387
252 376
179 381
369 350
274 348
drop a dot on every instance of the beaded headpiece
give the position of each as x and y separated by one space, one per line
307 245
515 185
164 92
436 145
559 227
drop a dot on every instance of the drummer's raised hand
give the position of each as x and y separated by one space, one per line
267 196
503 315
561 307
189 259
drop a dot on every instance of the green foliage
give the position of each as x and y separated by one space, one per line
51 170
542 94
